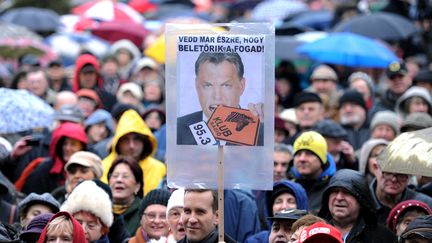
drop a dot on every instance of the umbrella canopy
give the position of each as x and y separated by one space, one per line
106 10
37 19
409 153
384 26
13 31
15 48
21 111
318 20
69 45
116 30
275 10
286 45
349 49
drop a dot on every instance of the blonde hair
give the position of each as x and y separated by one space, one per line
60 224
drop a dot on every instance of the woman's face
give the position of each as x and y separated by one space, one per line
152 92
70 146
154 221
153 121
372 161
123 184
417 104
91 225
175 223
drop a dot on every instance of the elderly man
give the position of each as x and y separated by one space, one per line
347 205
313 167
200 217
282 222
389 189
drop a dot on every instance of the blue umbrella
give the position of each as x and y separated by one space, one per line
21 111
36 19
349 49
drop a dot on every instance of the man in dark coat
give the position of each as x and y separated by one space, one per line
347 205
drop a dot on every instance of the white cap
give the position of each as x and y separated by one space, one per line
176 200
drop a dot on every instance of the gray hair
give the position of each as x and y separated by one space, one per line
361 75
284 148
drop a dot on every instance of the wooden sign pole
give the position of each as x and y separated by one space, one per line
220 168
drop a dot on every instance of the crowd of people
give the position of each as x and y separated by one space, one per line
99 174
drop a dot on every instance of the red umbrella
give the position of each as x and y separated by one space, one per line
116 30
107 10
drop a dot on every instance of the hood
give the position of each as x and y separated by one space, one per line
101 116
412 92
128 45
327 173
78 231
79 64
355 183
67 129
131 122
366 150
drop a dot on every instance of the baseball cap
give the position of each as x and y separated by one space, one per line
289 214
396 68
320 232
86 159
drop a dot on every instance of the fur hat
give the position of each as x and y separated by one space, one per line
156 196
89 197
86 159
386 117
313 142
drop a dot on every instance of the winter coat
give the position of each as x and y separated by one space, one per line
386 102
357 137
315 188
261 237
108 99
211 238
78 231
138 238
366 228
117 231
407 194
50 174
153 169
132 216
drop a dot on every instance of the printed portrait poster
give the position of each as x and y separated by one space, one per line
219 78
220 91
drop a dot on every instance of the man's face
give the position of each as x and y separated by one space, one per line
390 183
307 164
56 72
218 84
362 87
284 201
281 160
77 173
87 80
334 145
198 216
131 144
280 231
343 207
398 84
37 83
324 86
309 113
70 146
383 131
352 114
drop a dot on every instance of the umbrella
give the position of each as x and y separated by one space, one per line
116 30
15 48
318 20
21 111
349 49
13 31
384 26
285 45
106 10
409 153
275 10
69 45
37 19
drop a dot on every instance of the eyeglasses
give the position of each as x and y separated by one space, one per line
90 225
124 176
399 177
153 216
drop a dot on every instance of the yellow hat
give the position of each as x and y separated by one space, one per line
313 142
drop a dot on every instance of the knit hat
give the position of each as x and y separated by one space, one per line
352 96
361 75
70 113
386 117
396 68
416 120
366 150
33 198
156 196
331 129
324 72
176 200
320 232
423 76
304 97
131 87
421 226
89 197
313 142
86 159
401 208
35 227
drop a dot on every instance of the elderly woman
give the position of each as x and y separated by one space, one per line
404 212
369 152
174 210
153 210
91 206
415 99
125 177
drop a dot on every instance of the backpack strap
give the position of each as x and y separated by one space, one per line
19 184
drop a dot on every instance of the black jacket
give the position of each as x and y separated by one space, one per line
366 228
211 238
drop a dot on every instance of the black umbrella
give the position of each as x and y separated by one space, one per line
384 26
36 19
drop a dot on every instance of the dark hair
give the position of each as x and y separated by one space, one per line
219 57
214 196
160 112
16 78
134 167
